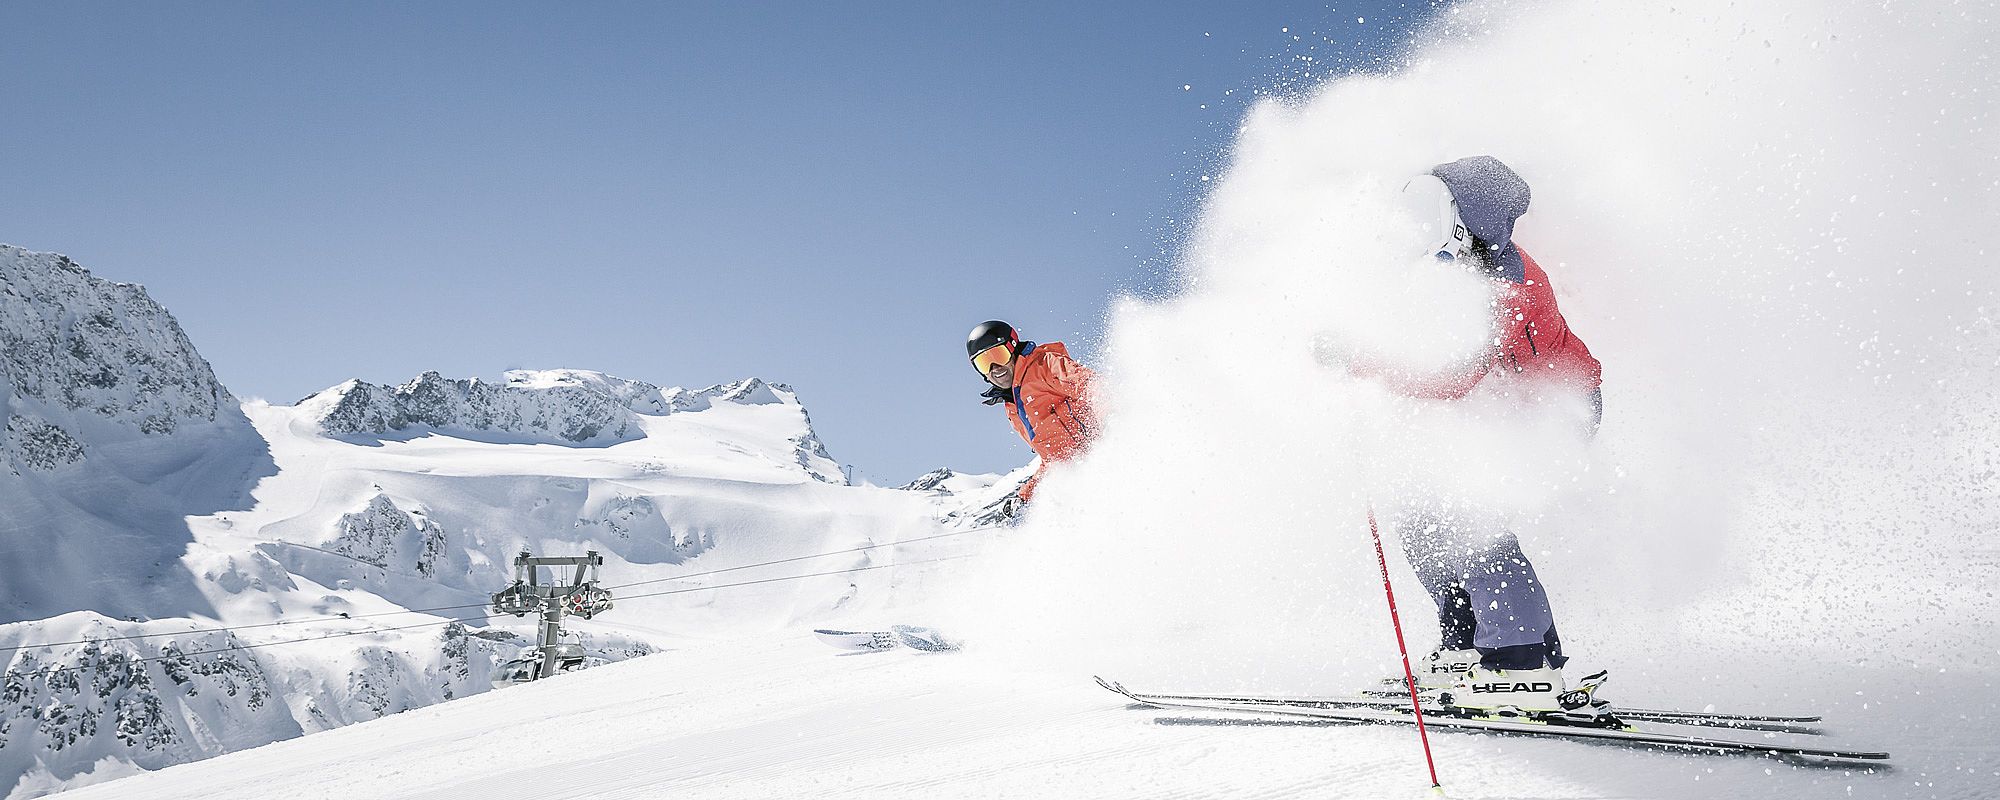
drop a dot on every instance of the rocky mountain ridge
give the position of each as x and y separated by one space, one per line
90 359
560 406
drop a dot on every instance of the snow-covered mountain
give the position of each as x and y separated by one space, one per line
116 430
434 402
946 481
187 576
559 406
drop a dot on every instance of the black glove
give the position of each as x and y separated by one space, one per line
995 394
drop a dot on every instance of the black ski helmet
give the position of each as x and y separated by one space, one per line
987 334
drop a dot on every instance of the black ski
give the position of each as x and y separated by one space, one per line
1396 690
1401 701
1619 731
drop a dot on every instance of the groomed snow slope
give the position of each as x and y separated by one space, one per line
783 716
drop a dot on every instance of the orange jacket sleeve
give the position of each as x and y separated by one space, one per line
1069 378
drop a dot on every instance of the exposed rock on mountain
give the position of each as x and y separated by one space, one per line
946 481
563 413
86 358
932 481
564 406
387 536
639 396
115 431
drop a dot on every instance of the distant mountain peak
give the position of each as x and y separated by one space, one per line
932 481
562 406
562 412
947 481
639 396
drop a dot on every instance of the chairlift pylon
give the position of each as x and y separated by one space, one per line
580 596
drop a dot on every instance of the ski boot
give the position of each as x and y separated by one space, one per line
1530 693
1434 673
1442 668
1506 692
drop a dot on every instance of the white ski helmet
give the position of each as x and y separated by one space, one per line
1431 204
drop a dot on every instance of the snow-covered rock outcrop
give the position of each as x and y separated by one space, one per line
559 406
383 534
562 413
115 430
83 354
154 701
639 396
562 406
947 481
104 698
977 500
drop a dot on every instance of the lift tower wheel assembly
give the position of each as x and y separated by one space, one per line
580 596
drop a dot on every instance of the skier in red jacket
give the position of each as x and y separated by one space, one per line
1047 393
1498 643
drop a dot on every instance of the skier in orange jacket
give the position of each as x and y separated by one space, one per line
1046 392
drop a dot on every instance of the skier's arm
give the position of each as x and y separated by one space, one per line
1446 384
1067 377
1070 380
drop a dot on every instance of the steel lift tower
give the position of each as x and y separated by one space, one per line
580 596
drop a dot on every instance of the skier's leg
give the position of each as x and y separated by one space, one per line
1514 625
1428 536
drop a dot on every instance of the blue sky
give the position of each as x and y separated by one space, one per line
825 194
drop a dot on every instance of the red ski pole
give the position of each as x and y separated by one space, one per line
1409 676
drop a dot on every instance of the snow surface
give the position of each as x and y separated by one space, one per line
784 716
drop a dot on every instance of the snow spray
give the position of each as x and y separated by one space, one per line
1769 220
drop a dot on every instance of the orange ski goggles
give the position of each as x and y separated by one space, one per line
997 354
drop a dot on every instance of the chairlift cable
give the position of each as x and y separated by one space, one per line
791 578
341 617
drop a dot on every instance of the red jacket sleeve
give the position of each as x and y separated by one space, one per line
1449 384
